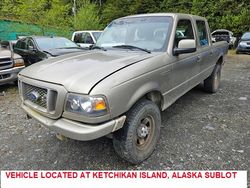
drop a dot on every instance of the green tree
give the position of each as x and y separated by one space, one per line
116 8
8 9
94 14
32 11
57 15
87 17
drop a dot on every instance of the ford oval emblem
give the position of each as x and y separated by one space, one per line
34 96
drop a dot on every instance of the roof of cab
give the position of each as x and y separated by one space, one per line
164 14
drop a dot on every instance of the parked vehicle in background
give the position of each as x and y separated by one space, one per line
138 67
10 63
38 48
244 44
85 38
224 35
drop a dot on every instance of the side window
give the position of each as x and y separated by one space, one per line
18 44
184 30
202 32
21 44
78 37
83 38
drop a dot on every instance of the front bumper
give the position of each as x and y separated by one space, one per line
243 50
9 75
77 130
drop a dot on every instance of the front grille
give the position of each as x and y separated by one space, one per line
42 97
5 63
36 95
248 43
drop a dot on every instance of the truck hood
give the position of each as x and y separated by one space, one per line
81 71
5 53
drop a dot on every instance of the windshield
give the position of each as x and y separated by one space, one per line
97 35
220 33
246 36
5 45
53 43
149 33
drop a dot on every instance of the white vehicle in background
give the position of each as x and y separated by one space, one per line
224 35
86 38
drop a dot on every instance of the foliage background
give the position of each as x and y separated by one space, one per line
96 14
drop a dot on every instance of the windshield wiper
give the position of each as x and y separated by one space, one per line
97 47
75 47
47 52
125 46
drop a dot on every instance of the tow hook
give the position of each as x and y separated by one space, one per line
28 116
61 137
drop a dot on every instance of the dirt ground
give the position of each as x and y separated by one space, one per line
199 132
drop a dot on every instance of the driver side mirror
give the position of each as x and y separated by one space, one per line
185 46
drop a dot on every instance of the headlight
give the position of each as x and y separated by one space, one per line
18 62
86 105
243 44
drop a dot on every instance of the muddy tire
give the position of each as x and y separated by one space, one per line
136 141
212 83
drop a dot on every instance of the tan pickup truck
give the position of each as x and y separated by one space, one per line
139 66
10 63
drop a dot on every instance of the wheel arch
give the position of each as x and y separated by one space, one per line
150 91
220 61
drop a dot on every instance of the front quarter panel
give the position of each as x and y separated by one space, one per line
125 87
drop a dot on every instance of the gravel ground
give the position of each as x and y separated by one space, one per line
199 132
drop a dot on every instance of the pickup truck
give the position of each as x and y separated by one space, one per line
10 63
86 38
138 68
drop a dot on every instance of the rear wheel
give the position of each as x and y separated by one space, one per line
212 83
136 141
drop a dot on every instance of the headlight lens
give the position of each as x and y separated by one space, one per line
243 44
86 105
18 62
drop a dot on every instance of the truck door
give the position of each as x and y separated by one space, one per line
186 66
204 49
33 53
20 48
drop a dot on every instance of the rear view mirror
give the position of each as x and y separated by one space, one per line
185 46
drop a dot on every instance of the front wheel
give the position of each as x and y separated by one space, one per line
136 141
212 83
